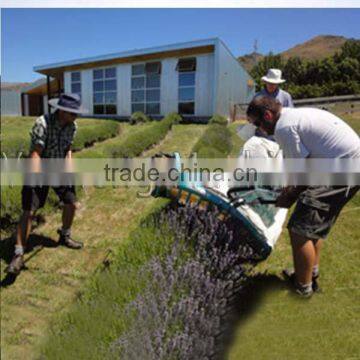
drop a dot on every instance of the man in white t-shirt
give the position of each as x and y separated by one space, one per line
308 133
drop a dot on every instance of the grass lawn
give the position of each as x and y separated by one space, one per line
273 324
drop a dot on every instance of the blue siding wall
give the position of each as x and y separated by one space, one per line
231 82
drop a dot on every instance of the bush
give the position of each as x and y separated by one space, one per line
89 133
176 117
138 117
218 119
141 140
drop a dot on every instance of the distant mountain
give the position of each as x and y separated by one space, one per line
318 48
17 86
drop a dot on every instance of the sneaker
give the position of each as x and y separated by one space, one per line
315 284
289 275
16 265
301 290
67 241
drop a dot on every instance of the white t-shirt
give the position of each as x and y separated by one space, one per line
315 133
259 147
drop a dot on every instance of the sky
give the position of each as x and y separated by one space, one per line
31 37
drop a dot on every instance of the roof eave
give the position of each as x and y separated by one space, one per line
46 69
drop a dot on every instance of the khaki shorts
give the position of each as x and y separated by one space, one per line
317 210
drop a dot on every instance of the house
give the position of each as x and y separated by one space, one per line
196 79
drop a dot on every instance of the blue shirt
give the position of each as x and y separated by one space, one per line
280 95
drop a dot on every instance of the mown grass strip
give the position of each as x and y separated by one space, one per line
215 143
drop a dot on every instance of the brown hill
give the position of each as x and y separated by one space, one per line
13 86
318 48
249 60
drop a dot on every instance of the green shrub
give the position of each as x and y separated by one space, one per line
218 119
176 117
141 140
138 117
88 134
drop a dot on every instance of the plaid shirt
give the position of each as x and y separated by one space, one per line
54 139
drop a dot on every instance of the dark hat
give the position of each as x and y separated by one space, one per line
68 102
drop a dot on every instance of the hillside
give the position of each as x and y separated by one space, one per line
316 48
13 86
249 60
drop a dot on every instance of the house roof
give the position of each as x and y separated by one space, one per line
39 87
178 49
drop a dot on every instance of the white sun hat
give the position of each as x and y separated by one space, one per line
273 76
68 102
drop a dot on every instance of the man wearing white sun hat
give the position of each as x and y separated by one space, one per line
272 80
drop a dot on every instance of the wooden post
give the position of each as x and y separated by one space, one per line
22 105
59 86
48 91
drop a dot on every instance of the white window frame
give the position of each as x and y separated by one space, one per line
105 91
186 87
75 82
144 75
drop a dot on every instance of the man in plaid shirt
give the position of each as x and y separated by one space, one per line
51 137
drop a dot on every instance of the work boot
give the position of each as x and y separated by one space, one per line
16 265
67 241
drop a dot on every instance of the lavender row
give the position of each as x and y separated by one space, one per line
184 310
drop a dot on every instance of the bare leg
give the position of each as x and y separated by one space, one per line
68 215
24 228
65 232
22 234
304 257
318 245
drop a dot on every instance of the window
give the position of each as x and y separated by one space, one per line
145 88
186 95
186 65
104 91
76 83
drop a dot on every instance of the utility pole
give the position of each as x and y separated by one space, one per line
255 46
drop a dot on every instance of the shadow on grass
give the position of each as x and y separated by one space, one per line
35 244
247 302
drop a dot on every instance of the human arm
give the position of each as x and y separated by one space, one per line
289 195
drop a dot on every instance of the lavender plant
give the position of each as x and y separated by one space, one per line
182 311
